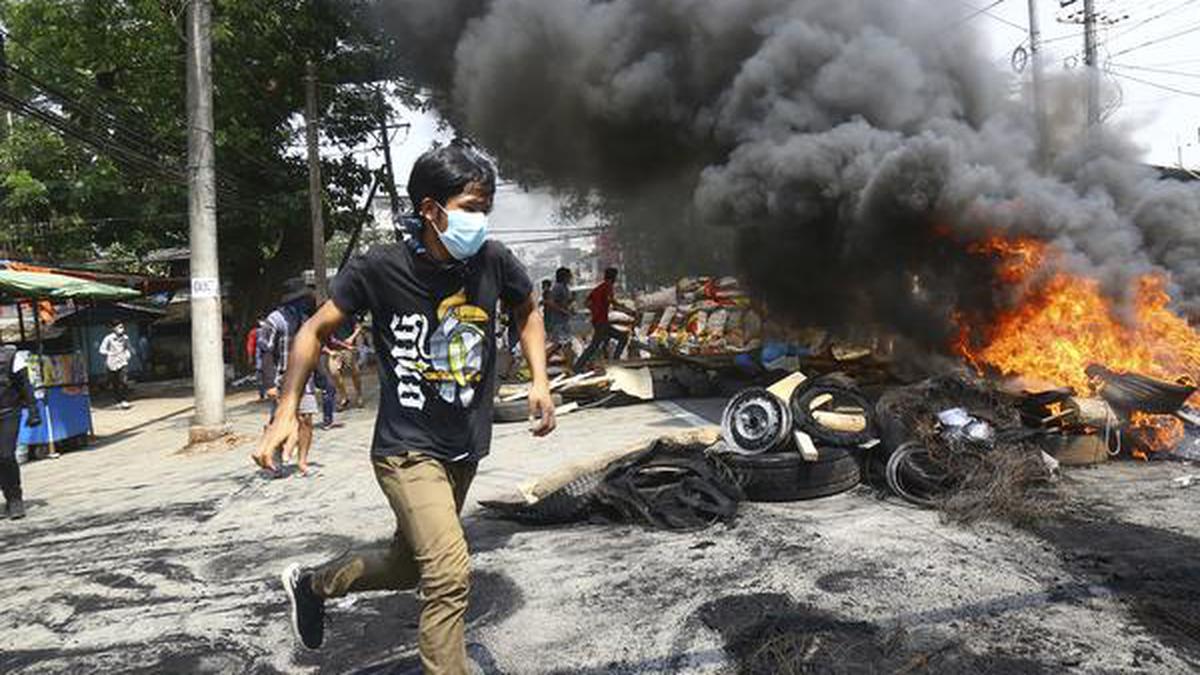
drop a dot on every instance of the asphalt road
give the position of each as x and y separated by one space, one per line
138 558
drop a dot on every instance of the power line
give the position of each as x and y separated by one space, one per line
986 11
1150 19
1183 92
1148 69
1190 29
962 20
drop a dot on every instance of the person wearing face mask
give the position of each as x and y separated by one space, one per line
116 352
432 301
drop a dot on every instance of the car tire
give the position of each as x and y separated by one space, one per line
785 476
516 411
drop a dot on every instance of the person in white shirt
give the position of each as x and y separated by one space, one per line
117 353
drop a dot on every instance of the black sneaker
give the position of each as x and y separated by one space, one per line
308 610
15 509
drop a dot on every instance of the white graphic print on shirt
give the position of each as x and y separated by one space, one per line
451 360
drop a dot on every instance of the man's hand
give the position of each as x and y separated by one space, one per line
273 393
284 433
541 404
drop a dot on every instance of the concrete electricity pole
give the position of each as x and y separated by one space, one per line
389 170
1039 87
208 366
1093 66
314 179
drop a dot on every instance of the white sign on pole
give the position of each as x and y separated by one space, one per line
206 287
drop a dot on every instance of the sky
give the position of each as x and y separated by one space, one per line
1149 50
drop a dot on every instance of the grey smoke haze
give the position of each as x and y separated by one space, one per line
852 146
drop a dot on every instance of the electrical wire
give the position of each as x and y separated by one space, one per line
1183 92
962 20
1186 31
1148 69
1155 17
987 11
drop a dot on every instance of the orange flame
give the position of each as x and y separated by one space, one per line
1064 323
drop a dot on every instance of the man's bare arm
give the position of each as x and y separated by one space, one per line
533 345
303 355
305 352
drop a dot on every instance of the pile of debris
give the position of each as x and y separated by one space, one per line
1127 415
700 315
672 483
958 444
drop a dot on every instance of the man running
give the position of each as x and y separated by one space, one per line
600 302
432 302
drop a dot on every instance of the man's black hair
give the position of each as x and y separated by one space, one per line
545 283
610 273
562 274
445 172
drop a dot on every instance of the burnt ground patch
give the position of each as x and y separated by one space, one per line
771 634
1154 572
371 630
168 654
845 581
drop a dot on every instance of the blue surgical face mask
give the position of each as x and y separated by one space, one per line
465 232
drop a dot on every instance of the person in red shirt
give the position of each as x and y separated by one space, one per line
254 358
600 301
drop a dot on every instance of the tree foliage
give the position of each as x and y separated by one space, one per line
114 72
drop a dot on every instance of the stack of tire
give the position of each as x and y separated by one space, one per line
759 432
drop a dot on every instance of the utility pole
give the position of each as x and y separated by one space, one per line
314 179
1089 58
208 365
386 139
1039 87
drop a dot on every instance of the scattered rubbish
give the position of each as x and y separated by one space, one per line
1185 481
1131 392
671 483
1076 449
958 444
957 423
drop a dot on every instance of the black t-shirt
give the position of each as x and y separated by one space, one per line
434 332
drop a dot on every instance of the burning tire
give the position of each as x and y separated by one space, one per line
785 476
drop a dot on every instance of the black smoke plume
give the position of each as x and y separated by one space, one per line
855 148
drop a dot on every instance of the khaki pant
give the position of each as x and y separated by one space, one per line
428 550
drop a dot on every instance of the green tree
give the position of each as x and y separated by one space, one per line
109 175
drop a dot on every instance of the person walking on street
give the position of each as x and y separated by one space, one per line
117 354
343 361
600 302
275 344
560 307
433 302
324 382
16 391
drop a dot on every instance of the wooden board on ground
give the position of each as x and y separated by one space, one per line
537 488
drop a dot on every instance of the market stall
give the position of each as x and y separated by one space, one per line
59 373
